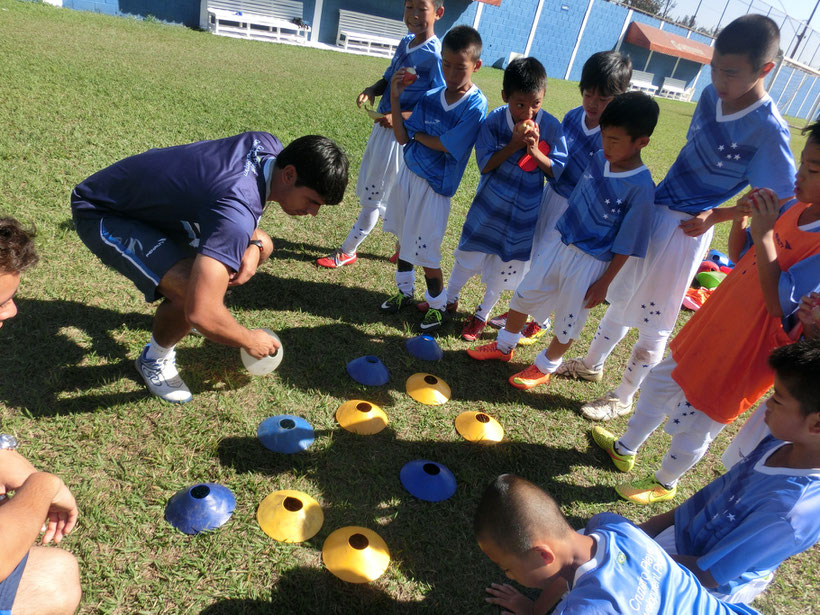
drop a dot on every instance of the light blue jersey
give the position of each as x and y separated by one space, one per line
582 143
743 524
726 153
426 59
502 218
609 213
456 125
631 573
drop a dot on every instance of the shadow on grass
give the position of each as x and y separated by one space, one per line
301 251
358 477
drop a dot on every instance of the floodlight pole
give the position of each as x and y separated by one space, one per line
805 29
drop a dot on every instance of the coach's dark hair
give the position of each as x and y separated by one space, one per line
320 164
463 38
513 513
525 75
755 36
16 247
608 72
635 112
798 366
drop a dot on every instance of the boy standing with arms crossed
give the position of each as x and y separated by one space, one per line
438 139
607 221
497 237
420 50
736 138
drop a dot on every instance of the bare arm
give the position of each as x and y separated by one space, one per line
737 237
430 141
205 309
655 525
396 88
690 561
517 141
370 93
765 210
596 293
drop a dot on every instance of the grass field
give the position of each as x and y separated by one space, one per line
81 90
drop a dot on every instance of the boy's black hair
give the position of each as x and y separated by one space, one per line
608 72
798 366
320 164
814 132
461 38
525 75
16 247
755 36
513 512
635 112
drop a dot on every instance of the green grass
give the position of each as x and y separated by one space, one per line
81 90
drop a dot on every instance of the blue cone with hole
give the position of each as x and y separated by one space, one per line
716 256
200 508
428 480
368 370
424 347
285 433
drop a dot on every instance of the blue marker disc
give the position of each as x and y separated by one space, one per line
424 347
200 508
285 433
428 480
368 370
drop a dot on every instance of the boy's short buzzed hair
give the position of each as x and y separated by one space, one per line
813 131
635 112
437 4
16 247
608 72
513 512
525 75
755 36
461 38
320 164
798 366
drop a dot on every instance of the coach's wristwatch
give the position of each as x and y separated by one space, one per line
8 442
258 243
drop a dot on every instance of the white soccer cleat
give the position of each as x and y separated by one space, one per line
606 407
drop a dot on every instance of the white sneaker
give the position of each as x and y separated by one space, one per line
575 368
606 407
162 379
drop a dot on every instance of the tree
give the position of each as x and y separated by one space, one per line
653 7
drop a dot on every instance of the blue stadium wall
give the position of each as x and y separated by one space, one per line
185 12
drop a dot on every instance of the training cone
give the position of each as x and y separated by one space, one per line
355 554
428 480
290 516
428 389
720 258
361 417
368 370
710 279
479 427
424 347
200 508
285 433
265 365
708 266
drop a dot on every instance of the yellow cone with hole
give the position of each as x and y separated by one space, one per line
361 417
428 389
479 427
355 554
290 516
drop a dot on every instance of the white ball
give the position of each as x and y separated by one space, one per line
265 365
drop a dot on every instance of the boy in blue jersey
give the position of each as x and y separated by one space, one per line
421 51
438 138
737 138
608 219
736 531
497 237
182 224
605 75
612 567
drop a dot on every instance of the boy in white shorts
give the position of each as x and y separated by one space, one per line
608 219
737 138
497 237
420 50
439 137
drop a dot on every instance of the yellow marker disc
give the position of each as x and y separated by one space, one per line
428 389
479 427
355 554
374 115
290 516
361 417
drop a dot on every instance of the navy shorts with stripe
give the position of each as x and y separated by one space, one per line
9 585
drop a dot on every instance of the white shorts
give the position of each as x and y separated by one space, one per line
557 284
417 215
553 206
383 158
647 292
495 273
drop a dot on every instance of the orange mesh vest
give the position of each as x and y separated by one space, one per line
722 352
